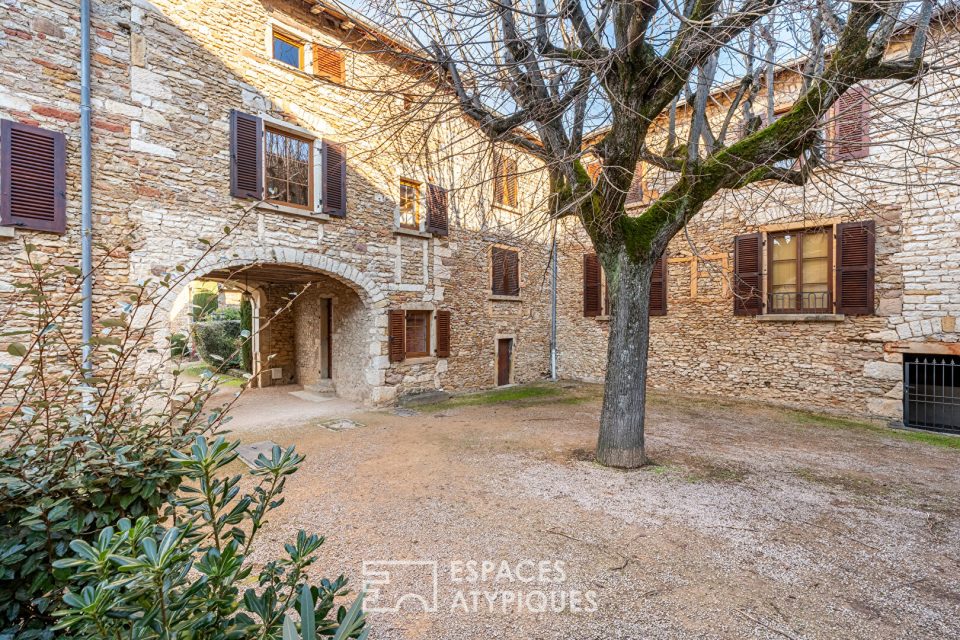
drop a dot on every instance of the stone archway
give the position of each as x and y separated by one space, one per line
292 349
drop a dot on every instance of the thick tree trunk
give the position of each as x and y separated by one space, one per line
624 395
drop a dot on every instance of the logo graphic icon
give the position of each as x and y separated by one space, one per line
394 585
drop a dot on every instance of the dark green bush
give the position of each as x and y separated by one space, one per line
246 324
218 343
204 303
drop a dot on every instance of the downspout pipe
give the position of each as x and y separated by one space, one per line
553 310
86 186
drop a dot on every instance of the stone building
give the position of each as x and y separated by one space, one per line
407 279
384 260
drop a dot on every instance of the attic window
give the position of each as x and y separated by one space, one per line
288 50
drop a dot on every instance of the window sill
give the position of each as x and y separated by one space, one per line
420 360
8 233
496 298
801 317
294 211
506 207
416 233
289 67
602 318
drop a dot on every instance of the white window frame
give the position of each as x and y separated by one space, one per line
290 31
317 146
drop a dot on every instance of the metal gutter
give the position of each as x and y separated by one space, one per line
86 209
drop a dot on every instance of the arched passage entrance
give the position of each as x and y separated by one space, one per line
313 325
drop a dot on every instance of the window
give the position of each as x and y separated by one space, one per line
800 268
289 169
505 180
287 50
505 272
418 334
409 204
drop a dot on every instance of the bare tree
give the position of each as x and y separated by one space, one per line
589 84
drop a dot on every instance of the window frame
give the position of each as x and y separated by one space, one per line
799 233
283 36
270 128
417 201
427 316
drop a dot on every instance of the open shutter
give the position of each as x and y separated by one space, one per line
334 179
443 334
328 63
855 267
592 305
747 285
395 331
33 182
658 288
437 211
511 267
246 155
851 125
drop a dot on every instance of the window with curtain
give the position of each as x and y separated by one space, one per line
418 333
800 269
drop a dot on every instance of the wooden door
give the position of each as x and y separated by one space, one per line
504 355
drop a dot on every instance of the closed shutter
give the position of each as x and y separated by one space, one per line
747 286
855 267
511 267
443 334
437 210
33 178
498 182
397 347
851 125
246 155
592 304
658 288
328 63
334 179
497 286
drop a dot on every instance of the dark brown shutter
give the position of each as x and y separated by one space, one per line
658 288
246 155
33 178
437 210
747 285
443 334
592 305
855 267
496 271
395 332
334 179
851 125
328 63
511 268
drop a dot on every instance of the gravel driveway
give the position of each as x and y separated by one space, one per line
753 522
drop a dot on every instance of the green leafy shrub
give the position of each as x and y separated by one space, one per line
134 581
179 346
218 343
204 303
246 324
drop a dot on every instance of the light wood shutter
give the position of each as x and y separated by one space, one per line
850 136
397 347
33 178
856 256
328 63
246 155
437 211
592 304
747 267
443 334
658 288
334 179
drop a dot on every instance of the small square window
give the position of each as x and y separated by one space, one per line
418 334
409 204
287 50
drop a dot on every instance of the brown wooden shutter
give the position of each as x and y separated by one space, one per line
747 267
334 179
328 63
246 155
33 178
511 268
443 334
856 267
851 125
592 304
658 288
395 332
437 211
498 180
496 271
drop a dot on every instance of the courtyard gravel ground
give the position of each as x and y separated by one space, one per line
752 522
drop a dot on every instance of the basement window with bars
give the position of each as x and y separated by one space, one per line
931 392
